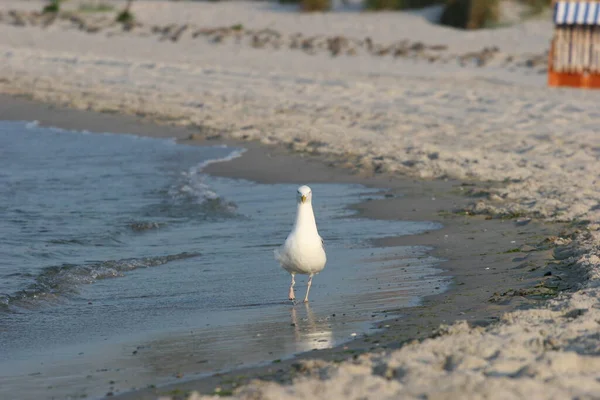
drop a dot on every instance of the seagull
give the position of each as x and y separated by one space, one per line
303 251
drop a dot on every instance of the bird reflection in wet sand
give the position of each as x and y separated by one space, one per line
310 332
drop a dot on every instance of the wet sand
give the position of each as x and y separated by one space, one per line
489 273
492 263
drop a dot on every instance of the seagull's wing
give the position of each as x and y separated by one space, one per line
280 253
277 255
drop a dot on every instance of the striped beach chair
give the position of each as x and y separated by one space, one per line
574 58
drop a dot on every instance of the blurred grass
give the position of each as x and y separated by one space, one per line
126 16
537 6
310 5
464 14
399 4
477 14
315 5
52 7
483 13
92 8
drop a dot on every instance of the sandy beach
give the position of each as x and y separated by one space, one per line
513 260
526 151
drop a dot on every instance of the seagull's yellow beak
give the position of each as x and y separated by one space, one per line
303 199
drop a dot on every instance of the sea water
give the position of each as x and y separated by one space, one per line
123 265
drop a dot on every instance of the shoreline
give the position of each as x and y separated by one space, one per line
468 294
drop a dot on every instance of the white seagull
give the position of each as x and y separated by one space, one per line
303 251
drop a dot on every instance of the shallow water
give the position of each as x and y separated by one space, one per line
120 261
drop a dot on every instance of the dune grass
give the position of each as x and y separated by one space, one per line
399 4
310 5
52 7
315 5
126 16
96 8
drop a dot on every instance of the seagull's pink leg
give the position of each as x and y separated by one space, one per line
308 288
291 295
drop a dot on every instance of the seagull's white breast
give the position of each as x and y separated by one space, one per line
303 254
303 250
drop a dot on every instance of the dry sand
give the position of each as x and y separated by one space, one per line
404 115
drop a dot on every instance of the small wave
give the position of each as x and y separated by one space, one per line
231 156
35 124
187 209
192 185
67 241
4 301
63 280
101 239
143 226
32 124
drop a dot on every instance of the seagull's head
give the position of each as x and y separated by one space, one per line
304 195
